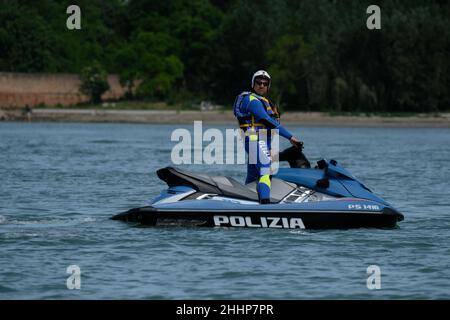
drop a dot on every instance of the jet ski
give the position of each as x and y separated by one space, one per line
325 197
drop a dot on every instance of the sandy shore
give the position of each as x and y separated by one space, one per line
217 117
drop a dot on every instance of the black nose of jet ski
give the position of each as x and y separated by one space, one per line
142 215
391 211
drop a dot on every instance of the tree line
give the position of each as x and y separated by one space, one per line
319 52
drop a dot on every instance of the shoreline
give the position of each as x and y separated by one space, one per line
441 120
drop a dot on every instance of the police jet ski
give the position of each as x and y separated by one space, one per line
325 197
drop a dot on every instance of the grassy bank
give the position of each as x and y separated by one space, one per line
166 114
139 105
205 106
119 105
386 114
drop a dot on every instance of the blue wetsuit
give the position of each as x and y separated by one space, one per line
258 145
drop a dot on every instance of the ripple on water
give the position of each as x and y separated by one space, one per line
66 180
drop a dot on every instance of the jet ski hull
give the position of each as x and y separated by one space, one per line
326 197
286 219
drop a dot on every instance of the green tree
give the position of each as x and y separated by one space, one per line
127 63
94 82
195 24
289 59
320 52
151 59
249 29
25 40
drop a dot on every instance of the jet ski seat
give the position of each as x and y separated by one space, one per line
224 186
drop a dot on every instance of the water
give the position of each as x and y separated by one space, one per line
61 182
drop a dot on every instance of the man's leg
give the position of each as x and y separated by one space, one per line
252 173
252 157
264 162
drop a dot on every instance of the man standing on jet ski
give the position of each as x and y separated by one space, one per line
257 116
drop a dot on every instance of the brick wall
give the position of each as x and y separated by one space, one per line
20 89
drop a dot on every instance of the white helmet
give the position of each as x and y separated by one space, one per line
261 74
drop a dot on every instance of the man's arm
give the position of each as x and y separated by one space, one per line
257 109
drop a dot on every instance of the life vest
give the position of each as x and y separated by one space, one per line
245 119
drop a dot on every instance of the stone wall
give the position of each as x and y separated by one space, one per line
20 89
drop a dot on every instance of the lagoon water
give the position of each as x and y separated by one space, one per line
60 183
